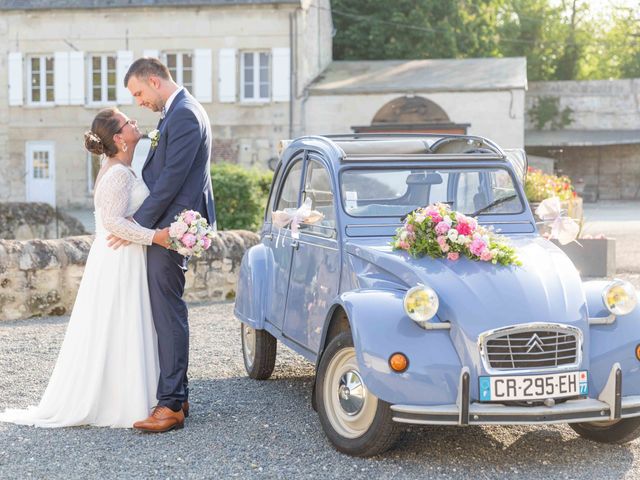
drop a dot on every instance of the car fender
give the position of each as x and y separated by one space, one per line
380 327
613 342
251 288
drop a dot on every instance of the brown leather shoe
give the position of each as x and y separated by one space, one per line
162 419
185 408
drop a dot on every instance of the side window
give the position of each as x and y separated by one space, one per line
291 188
317 187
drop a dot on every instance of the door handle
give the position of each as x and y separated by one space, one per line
268 236
295 244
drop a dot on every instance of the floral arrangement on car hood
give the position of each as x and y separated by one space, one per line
440 232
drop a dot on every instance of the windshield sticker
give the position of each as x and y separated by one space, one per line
351 200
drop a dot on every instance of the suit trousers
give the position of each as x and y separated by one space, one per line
166 273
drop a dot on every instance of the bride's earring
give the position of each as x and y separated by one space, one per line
124 147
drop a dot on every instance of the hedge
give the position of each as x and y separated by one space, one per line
240 195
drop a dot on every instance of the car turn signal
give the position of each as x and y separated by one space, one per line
638 352
398 362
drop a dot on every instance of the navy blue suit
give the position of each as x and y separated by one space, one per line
177 172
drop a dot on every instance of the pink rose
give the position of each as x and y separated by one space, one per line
486 255
477 246
436 218
453 256
442 241
177 229
463 228
442 228
206 243
189 216
188 240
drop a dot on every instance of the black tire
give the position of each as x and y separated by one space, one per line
382 432
623 431
260 362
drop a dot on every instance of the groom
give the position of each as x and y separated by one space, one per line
177 172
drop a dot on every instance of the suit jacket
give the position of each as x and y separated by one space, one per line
177 170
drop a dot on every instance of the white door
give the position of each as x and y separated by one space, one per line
41 167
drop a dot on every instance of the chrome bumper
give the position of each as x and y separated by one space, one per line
610 405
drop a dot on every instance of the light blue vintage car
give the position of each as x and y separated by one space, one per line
401 340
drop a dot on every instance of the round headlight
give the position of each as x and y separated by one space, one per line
619 297
421 303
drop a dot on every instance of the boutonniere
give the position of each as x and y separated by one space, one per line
154 136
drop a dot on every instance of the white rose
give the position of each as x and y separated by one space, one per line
461 240
452 235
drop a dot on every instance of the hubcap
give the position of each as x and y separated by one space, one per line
351 392
248 344
349 406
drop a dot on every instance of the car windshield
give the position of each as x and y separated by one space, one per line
396 192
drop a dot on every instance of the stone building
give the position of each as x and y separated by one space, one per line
598 143
262 69
478 96
245 60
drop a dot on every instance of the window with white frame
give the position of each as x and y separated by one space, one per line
254 76
180 65
102 78
40 75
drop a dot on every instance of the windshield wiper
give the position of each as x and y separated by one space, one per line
493 204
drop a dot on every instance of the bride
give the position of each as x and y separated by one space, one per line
107 370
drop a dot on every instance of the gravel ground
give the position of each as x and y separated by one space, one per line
245 428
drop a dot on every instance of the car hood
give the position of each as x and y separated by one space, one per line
477 296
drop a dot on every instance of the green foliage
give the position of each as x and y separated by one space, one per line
241 196
413 29
547 111
561 39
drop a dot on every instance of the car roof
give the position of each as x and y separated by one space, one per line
395 148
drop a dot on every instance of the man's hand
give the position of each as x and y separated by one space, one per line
162 237
116 242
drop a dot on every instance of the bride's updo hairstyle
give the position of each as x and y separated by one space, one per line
99 140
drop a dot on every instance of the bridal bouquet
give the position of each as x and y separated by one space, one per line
440 232
190 234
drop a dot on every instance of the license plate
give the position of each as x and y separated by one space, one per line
533 387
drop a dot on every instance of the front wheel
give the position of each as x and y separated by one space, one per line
355 421
617 431
258 352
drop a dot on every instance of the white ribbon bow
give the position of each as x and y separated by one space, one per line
295 216
564 229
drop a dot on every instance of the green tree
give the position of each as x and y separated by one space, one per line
414 29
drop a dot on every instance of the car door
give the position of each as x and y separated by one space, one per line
279 243
315 272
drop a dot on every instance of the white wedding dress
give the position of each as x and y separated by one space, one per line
107 370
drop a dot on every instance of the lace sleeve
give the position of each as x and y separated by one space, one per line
115 190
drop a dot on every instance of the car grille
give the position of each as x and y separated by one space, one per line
523 348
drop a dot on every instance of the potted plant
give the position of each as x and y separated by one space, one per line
592 256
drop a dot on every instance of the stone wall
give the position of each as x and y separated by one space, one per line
596 104
41 277
608 172
27 220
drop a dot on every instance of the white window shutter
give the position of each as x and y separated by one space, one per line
281 74
61 78
151 53
15 78
202 75
123 62
227 75
76 78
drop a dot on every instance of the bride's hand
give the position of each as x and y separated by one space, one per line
116 242
161 237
